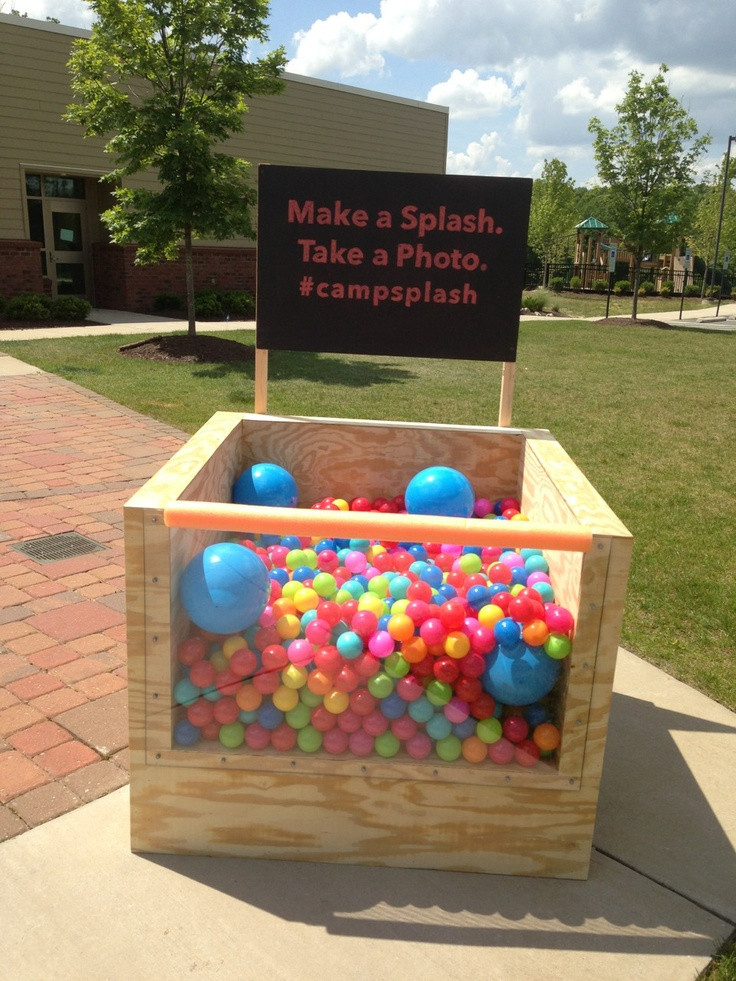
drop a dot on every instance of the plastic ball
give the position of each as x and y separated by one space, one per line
225 588
546 736
232 735
185 733
522 679
441 491
266 485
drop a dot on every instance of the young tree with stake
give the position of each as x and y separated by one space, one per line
166 81
647 161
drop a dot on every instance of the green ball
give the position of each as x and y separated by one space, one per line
309 739
232 735
299 716
386 744
557 646
396 666
449 748
489 730
438 692
380 685
309 698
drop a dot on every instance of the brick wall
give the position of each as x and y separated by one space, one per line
121 285
20 268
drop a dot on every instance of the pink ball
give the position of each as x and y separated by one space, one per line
360 743
501 752
257 736
349 721
404 727
375 723
419 746
482 507
381 644
318 632
356 562
433 631
409 688
456 710
558 619
335 741
300 652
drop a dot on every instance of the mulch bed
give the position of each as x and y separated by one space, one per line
201 349
630 322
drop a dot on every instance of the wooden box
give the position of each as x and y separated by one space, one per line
400 812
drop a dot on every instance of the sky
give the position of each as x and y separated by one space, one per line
521 79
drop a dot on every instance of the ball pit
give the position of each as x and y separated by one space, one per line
376 648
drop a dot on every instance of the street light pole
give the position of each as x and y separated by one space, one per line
731 139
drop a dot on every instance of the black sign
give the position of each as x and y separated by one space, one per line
369 262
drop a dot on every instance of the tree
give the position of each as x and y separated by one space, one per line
166 80
553 212
707 216
647 160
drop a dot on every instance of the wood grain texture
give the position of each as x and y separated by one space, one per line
392 812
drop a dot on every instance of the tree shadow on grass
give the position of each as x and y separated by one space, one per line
314 367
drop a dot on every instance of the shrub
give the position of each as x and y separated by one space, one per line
239 304
168 301
208 303
621 286
28 306
70 308
600 286
535 301
557 284
667 288
646 288
576 284
692 289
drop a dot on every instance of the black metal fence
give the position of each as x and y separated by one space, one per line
595 278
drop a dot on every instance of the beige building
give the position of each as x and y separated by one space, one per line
51 197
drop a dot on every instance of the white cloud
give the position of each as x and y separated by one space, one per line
480 158
469 96
341 44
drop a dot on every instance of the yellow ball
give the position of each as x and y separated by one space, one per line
306 599
489 615
336 701
293 676
341 504
285 698
232 644
457 644
288 626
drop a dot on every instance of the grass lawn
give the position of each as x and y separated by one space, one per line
646 414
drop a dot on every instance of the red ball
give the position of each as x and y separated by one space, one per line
226 711
452 614
202 674
228 682
360 504
283 737
446 669
526 753
515 728
468 688
191 650
483 706
243 662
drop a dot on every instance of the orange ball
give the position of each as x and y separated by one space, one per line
546 736
248 698
535 633
400 627
414 650
474 750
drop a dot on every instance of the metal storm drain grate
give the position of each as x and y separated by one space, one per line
54 548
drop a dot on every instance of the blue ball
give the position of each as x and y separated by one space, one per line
185 734
442 491
266 485
520 680
225 588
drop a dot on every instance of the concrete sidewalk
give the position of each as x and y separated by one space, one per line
78 905
659 901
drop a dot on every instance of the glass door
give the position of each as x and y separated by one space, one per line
65 235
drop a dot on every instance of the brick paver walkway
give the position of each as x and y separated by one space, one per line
69 459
